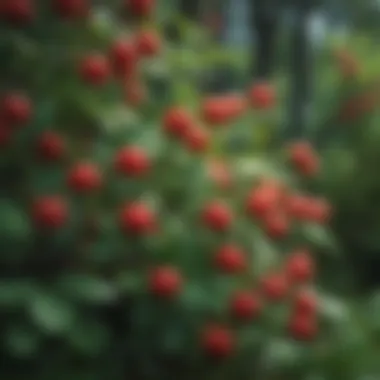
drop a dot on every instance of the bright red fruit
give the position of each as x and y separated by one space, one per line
165 281
217 216
124 57
263 200
303 327
135 93
132 161
218 341
276 224
275 287
95 69
304 159
72 9
305 303
197 139
300 267
219 110
220 174
17 11
319 210
16 109
51 146
50 212
141 8
138 218
148 43
262 96
245 305
84 177
177 122
230 259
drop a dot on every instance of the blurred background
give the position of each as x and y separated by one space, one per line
190 189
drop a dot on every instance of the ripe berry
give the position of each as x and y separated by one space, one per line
275 287
141 8
218 341
17 11
16 109
132 161
230 259
304 159
217 216
262 96
71 9
137 218
297 206
165 281
305 303
245 305
262 200
95 69
276 225
300 267
84 177
50 146
123 56
303 327
220 174
197 139
319 210
177 122
218 110
50 212
148 43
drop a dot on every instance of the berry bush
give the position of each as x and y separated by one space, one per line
127 250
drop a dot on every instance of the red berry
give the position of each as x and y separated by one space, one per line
141 8
165 281
17 11
84 177
218 110
95 69
276 225
177 122
137 218
132 161
72 9
304 159
300 267
123 57
275 287
148 43
16 109
262 200
218 341
303 327
262 96
50 212
297 206
217 216
51 146
197 139
305 303
245 305
319 210
230 259
220 174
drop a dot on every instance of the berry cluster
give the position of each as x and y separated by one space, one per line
272 205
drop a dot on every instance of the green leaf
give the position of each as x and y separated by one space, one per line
14 293
88 289
320 237
51 313
22 341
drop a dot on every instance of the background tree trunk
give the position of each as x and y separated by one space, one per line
265 17
301 69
